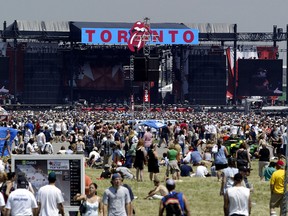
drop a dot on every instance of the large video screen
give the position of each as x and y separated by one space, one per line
69 171
260 77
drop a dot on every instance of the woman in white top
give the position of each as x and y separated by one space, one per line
93 202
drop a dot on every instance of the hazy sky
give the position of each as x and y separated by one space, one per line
249 15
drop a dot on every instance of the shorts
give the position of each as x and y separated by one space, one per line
58 133
173 166
220 166
276 200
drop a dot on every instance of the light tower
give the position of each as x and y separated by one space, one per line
146 52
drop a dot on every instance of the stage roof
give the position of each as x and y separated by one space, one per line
71 30
37 30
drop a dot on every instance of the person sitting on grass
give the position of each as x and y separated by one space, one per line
185 169
159 188
106 174
201 171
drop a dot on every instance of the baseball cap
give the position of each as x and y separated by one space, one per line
52 176
22 182
280 163
116 175
170 182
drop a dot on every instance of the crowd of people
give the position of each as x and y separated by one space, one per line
119 142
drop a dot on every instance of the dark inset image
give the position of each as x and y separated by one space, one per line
259 77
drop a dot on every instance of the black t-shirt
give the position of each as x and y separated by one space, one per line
106 174
264 154
185 170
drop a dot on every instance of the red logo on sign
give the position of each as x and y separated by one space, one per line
146 96
139 35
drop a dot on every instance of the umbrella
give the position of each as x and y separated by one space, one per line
153 124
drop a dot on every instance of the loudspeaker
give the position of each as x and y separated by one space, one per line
153 68
146 68
207 79
4 71
140 68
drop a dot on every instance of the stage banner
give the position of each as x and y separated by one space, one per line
114 36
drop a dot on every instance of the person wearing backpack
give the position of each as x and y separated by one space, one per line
175 203
47 148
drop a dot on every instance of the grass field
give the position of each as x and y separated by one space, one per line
202 193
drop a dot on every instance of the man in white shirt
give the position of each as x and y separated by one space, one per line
21 201
237 199
41 139
50 199
27 136
47 148
201 170
95 153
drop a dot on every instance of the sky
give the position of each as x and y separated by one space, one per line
249 15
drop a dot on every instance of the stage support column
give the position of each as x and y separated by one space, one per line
71 74
286 64
235 66
15 69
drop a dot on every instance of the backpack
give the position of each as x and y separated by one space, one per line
172 205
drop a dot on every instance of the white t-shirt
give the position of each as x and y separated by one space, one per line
41 139
2 201
238 200
201 171
49 196
229 173
97 155
21 202
30 149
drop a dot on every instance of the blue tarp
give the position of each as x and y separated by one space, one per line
153 124
3 134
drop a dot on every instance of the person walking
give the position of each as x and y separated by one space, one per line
140 160
6 143
153 165
277 188
243 156
264 158
21 201
228 176
237 199
50 199
220 159
174 157
175 203
116 199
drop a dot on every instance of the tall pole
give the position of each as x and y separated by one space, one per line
15 68
274 35
286 64
71 67
235 66
285 199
